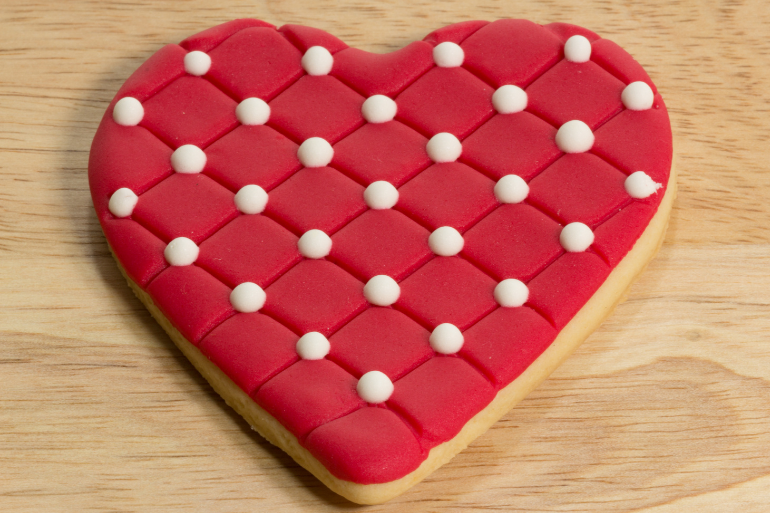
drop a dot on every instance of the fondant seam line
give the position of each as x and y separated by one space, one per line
542 314
223 134
150 229
609 69
281 322
281 131
164 85
158 137
418 267
424 324
480 370
205 333
218 180
607 161
540 117
612 213
273 373
608 118
410 422
404 88
231 35
463 39
221 87
481 268
491 114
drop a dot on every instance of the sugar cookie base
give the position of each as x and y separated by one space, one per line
610 294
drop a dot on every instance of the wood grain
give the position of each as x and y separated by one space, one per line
665 408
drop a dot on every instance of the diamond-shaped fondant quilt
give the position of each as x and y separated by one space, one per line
373 257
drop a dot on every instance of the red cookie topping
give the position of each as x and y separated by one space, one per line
372 246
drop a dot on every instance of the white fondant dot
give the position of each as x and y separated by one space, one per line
128 111
251 199
639 185
448 55
574 137
511 293
313 346
317 61
314 244
380 195
122 202
247 297
446 241
197 63
382 290
446 339
374 387
576 237
252 111
378 109
181 251
315 152
511 189
577 49
188 159
444 147
509 99
637 96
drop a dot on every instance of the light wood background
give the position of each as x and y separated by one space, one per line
665 408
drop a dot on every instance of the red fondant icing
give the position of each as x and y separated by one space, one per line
616 236
573 90
166 65
440 396
381 339
250 348
511 52
189 111
304 37
518 144
316 198
315 295
192 206
250 248
317 107
210 38
387 73
456 33
123 156
255 62
194 301
619 142
445 100
371 445
127 237
367 154
450 194
514 241
565 31
447 289
564 286
252 155
434 395
309 394
506 342
381 242
579 187
616 61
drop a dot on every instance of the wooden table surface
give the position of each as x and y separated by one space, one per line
665 408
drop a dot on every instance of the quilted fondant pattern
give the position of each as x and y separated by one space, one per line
435 394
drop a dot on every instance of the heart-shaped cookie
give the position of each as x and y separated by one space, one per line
373 257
